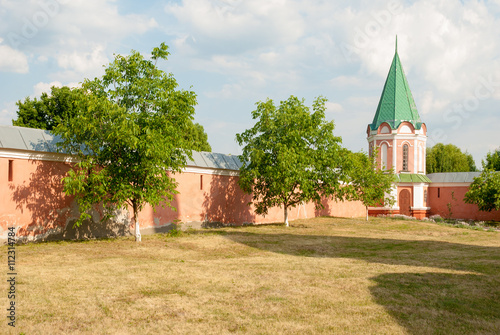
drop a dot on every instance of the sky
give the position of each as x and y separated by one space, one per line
235 53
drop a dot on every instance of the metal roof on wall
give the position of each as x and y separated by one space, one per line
38 140
214 160
21 138
453 177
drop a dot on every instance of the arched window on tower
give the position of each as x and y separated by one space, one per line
384 156
405 157
421 159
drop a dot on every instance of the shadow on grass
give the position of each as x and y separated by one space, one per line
423 303
440 303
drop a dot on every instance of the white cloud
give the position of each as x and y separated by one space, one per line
347 81
12 60
44 88
429 104
228 91
74 33
238 26
8 113
86 62
101 20
333 107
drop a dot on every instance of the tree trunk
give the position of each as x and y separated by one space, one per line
286 215
366 213
136 223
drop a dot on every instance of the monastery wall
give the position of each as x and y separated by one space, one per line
440 196
32 199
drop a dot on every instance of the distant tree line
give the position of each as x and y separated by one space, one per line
448 158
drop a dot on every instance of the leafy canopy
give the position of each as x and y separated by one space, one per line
448 158
290 155
128 135
492 160
63 104
196 138
48 111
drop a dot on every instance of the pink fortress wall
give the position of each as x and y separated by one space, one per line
35 203
220 199
459 209
34 200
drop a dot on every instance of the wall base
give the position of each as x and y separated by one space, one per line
382 211
420 213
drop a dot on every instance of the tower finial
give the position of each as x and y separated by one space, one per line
396 43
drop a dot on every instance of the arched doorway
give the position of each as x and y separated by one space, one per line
405 202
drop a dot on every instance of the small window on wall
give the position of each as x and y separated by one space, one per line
439 192
405 157
201 182
425 197
11 170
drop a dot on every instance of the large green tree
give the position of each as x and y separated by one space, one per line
129 136
291 156
63 103
448 158
369 184
492 161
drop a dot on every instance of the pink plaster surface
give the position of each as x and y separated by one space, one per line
222 200
35 203
34 200
459 209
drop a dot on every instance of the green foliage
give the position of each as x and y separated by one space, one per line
369 184
176 232
128 136
63 104
485 191
492 160
291 155
448 158
197 138
48 111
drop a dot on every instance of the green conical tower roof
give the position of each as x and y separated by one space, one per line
396 102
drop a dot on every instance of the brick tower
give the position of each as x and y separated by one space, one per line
400 137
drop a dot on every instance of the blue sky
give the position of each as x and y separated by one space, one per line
234 53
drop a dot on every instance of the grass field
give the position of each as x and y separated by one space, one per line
320 276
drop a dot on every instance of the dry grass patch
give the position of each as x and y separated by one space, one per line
320 276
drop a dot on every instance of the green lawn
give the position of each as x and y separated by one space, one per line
320 276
